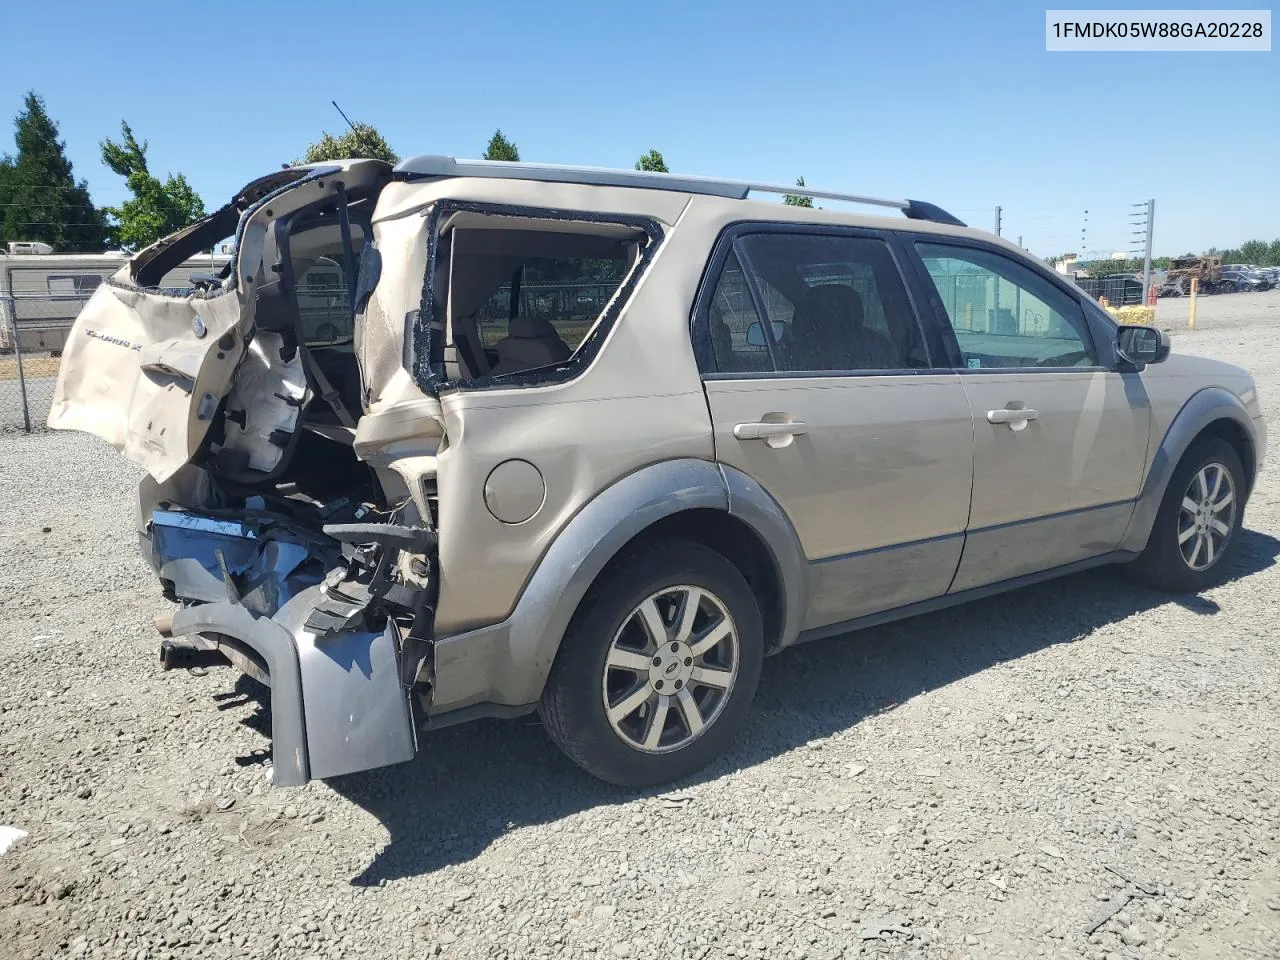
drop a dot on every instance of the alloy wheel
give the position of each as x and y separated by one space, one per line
670 669
1206 517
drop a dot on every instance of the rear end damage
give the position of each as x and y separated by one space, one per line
288 555
321 615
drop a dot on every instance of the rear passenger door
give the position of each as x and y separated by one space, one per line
1060 436
821 389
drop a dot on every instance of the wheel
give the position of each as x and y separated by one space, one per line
1198 522
658 668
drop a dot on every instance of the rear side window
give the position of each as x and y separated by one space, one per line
791 302
515 294
566 292
1003 314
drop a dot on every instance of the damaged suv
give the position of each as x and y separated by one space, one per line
462 439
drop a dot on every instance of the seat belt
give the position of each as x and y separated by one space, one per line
327 392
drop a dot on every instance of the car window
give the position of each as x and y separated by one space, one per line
74 285
324 306
732 317
833 304
1003 314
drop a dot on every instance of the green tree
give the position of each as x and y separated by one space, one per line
652 162
362 141
40 199
500 148
795 200
156 209
1254 251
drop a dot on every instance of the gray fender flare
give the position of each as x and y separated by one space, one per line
1202 409
751 503
507 664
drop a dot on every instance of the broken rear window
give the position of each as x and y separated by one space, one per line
522 293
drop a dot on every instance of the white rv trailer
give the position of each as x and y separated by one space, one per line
41 292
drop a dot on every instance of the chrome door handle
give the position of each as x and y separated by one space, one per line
1012 415
763 430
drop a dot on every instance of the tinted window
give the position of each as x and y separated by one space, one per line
833 304
732 316
1003 314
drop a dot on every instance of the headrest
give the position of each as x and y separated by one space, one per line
836 301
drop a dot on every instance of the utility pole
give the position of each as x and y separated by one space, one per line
1144 224
997 221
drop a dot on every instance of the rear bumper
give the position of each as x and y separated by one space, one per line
360 715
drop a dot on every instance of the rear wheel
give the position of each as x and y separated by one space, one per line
657 671
1198 522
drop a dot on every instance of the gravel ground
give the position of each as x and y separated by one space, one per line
39 397
996 780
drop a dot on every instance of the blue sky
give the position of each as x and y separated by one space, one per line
955 103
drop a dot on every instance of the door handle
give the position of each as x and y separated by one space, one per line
763 430
1012 415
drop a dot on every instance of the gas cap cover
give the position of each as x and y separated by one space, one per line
514 491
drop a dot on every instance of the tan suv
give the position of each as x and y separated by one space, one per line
463 439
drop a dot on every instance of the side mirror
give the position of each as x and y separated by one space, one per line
1142 345
755 333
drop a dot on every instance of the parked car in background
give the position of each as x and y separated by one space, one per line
1241 281
496 494
1256 274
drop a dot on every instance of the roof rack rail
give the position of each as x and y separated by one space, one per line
434 165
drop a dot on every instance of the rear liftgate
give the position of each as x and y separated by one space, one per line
322 601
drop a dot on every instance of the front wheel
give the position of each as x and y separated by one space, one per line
658 668
1198 522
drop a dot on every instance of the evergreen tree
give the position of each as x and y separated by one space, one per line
500 148
40 199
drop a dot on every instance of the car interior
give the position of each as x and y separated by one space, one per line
521 294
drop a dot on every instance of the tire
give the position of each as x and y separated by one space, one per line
1165 563
611 625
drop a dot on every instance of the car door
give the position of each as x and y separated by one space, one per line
1060 437
820 388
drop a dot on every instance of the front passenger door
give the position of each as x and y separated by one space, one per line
1060 439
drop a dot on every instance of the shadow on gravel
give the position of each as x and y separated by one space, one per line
473 782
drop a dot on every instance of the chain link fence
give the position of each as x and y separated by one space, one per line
29 358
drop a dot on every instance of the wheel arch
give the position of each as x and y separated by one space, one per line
1211 412
1230 430
506 664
